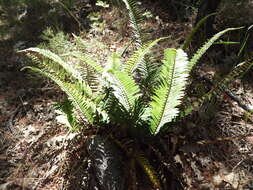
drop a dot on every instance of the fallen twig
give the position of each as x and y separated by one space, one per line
248 108
9 123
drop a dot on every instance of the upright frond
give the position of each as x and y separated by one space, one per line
195 30
136 17
124 88
168 94
206 46
137 59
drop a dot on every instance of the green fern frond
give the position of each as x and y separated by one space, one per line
152 79
137 59
124 88
206 46
236 72
219 88
78 93
195 29
52 56
67 108
91 71
46 64
136 17
89 61
222 85
168 95
79 42
113 63
33 58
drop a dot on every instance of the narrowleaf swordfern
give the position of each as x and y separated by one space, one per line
115 83
113 96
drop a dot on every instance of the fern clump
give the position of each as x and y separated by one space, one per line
104 92
94 88
132 96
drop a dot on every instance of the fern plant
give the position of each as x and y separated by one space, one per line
114 95
93 89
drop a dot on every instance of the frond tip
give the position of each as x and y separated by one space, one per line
135 19
207 45
168 94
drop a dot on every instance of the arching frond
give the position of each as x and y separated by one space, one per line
35 59
236 72
57 59
136 17
195 29
47 64
168 94
219 88
78 93
206 46
124 88
89 61
137 59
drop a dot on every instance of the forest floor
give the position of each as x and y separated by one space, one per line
211 149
